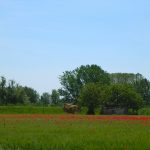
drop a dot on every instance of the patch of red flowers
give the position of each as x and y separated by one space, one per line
76 117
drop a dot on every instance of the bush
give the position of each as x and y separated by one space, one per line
144 111
123 96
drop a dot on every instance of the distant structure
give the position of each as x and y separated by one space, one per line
114 110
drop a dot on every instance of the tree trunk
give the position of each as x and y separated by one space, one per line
90 110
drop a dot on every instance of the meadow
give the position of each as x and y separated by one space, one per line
74 132
12 109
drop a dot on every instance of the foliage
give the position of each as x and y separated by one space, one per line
124 78
45 99
144 111
140 84
121 96
3 91
15 94
32 94
21 96
55 97
73 81
90 96
143 88
12 93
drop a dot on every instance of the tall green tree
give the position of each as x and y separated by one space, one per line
90 96
55 97
3 91
73 81
32 94
45 99
20 95
15 94
11 92
143 88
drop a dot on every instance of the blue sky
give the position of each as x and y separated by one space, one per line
39 39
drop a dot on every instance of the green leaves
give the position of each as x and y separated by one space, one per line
55 97
121 96
90 96
12 93
73 81
139 83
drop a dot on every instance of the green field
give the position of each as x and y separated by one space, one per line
49 128
30 110
51 110
41 132
37 110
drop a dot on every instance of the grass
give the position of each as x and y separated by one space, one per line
38 110
65 132
60 131
52 110
30 110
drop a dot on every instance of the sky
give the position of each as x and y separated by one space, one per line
40 39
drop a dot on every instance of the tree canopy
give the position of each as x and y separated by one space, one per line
121 96
90 96
45 99
55 97
73 81
13 93
139 83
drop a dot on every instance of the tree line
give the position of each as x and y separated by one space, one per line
93 87
88 86
13 93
